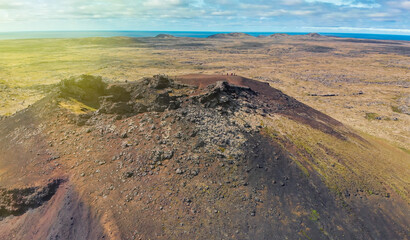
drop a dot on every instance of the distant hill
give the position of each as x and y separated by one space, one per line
278 35
231 35
166 36
314 35
285 36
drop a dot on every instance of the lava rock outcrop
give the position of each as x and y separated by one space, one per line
18 201
189 157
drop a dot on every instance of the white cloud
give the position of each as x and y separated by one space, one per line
10 5
292 2
301 13
254 6
201 13
273 13
379 15
364 5
361 29
348 3
280 12
335 2
222 13
161 3
405 5
400 4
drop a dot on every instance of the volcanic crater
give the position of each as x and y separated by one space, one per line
193 157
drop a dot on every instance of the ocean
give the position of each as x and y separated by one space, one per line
83 34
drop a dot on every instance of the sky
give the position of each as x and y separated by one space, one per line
357 16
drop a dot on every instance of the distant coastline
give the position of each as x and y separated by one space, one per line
84 34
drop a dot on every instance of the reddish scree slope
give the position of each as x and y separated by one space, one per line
150 169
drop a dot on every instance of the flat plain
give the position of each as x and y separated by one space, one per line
362 83
224 142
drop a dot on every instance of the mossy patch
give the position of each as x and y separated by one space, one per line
75 106
396 109
314 215
405 150
371 116
305 235
343 165
302 168
222 149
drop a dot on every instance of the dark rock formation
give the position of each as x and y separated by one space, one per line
231 35
314 35
18 201
85 88
223 94
278 35
165 36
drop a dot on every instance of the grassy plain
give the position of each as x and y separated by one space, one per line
345 78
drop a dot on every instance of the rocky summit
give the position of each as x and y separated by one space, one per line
191 157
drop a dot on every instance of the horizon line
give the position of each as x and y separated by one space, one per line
206 31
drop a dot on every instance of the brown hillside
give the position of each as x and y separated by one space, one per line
193 157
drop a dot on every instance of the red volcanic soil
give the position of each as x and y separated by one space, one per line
166 158
65 216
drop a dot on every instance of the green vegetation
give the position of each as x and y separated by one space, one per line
26 64
43 61
75 106
364 162
270 131
302 168
305 234
405 150
371 116
314 215
396 109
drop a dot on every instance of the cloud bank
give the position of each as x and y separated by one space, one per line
386 16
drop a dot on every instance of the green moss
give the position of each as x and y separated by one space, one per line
371 116
314 215
396 109
301 167
405 150
271 132
304 170
341 164
304 145
222 149
305 234
75 106
399 192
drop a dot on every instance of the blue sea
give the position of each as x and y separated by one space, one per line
83 34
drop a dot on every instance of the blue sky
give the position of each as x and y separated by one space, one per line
362 16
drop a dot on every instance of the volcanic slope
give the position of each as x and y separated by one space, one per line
193 157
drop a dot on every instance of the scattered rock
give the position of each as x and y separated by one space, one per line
17 201
194 172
